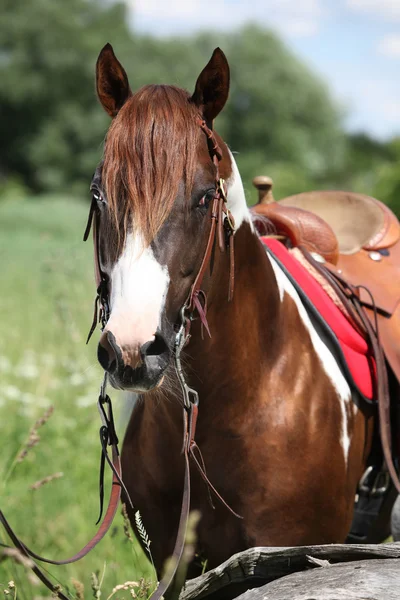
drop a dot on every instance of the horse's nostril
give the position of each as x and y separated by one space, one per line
103 357
155 348
106 352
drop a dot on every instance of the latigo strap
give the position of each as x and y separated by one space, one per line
350 297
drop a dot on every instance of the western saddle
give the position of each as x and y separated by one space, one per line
356 236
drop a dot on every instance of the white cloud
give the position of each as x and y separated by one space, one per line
293 18
390 46
386 9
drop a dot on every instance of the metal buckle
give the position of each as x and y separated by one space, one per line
106 413
190 396
229 221
378 486
222 189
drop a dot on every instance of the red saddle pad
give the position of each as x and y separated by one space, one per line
360 364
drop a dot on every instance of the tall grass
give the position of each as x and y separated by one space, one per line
48 486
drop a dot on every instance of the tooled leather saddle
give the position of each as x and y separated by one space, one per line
357 237
352 242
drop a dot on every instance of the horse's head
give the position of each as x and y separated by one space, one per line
152 200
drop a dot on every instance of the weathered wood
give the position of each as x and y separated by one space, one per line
360 580
258 566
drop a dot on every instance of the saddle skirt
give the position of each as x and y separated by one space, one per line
350 346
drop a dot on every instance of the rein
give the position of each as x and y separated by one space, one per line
108 437
222 227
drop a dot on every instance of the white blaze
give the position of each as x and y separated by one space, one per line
139 286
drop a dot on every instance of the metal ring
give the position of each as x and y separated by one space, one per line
230 219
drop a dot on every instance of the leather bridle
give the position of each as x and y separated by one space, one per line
222 227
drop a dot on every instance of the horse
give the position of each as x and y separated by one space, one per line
283 438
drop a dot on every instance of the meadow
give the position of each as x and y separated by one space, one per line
46 307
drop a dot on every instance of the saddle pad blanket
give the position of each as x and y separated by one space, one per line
356 362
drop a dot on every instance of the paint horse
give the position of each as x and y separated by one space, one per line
282 440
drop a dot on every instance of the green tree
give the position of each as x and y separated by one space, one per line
387 186
51 126
267 120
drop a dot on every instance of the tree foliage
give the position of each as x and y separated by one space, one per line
280 118
51 126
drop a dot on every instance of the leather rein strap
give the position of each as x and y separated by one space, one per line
222 225
107 433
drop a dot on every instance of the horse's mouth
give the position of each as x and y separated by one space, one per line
139 380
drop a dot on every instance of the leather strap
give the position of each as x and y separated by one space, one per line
189 448
350 297
222 225
108 433
104 527
197 301
190 420
207 254
38 572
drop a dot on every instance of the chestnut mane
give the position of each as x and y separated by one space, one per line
151 147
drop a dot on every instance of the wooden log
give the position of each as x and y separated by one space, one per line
258 566
360 580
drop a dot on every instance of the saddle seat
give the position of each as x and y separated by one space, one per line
358 221
332 223
355 235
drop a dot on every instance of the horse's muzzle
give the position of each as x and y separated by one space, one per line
139 371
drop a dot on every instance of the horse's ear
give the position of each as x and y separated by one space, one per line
212 86
111 81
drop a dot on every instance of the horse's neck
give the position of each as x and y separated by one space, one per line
242 329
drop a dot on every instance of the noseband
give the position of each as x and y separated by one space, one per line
222 226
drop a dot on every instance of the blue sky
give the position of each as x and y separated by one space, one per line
353 44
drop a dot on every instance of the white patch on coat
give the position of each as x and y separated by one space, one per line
236 198
325 355
139 285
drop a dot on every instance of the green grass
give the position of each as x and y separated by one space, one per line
46 307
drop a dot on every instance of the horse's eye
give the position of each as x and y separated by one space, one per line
98 198
206 199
